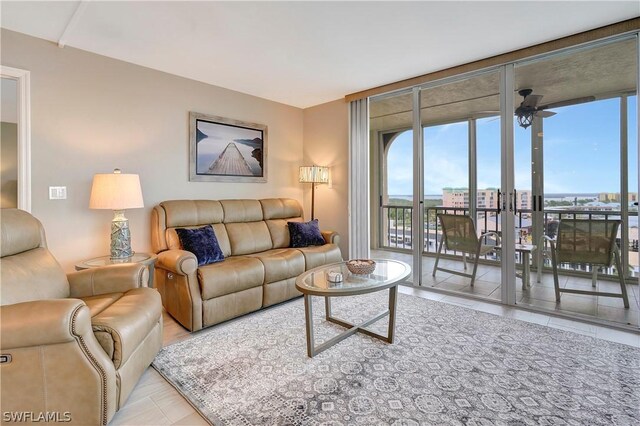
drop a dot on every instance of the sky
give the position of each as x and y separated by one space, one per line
581 152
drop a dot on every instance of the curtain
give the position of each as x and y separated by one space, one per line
359 213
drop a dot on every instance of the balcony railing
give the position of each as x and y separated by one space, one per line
396 232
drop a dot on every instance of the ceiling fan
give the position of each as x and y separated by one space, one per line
529 108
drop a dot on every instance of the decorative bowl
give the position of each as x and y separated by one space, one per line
361 266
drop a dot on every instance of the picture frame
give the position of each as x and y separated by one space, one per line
226 150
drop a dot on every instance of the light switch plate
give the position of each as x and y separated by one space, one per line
57 192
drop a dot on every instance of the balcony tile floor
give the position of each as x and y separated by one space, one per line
541 294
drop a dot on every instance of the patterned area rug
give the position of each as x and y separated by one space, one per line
450 365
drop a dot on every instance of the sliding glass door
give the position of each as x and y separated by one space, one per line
438 150
575 122
460 124
505 155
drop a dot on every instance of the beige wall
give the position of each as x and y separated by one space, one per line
90 114
8 165
326 143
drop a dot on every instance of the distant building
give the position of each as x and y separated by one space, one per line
609 197
486 198
614 197
455 197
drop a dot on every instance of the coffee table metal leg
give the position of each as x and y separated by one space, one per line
313 350
327 307
308 313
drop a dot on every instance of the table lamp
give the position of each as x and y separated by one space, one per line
117 191
314 175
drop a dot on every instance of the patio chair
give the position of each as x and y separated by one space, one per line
550 230
590 242
459 234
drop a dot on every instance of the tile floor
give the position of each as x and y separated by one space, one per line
540 296
155 402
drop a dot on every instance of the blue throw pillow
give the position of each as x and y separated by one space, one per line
202 242
304 234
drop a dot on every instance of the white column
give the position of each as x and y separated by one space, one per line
624 184
508 288
537 186
359 206
417 219
473 170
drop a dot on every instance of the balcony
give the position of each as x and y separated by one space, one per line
396 242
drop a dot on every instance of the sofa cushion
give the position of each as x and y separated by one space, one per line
185 213
304 234
99 303
234 274
123 325
32 275
320 255
202 242
248 238
280 264
20 232
280 291
241 211
232 305
279 231
280 208
173 242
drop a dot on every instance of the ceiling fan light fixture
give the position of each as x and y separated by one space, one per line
525 120
525 116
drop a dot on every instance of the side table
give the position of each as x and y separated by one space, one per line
525 250
148 259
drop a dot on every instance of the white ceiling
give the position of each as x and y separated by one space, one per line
307 53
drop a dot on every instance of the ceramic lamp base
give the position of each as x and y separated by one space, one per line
120 237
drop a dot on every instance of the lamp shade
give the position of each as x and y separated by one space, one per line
116 191
314 174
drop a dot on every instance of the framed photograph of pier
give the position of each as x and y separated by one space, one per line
226 150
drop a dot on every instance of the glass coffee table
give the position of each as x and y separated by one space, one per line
387 275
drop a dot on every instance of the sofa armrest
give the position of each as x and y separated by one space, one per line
179 262
43 322
52 347
108 279
177 282
331 237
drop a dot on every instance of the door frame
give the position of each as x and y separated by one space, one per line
23 80
507 177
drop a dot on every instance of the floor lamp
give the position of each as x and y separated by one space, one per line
314 175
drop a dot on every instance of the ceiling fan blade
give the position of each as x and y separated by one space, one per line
484 114
569 102
531 101
545 114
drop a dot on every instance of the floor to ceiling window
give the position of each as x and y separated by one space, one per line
577 102
573 156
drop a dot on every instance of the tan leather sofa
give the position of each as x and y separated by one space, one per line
78 343
259 267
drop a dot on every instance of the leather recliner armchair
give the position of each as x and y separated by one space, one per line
73 346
